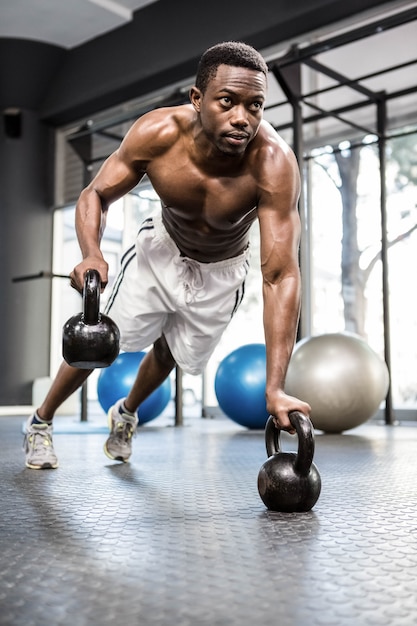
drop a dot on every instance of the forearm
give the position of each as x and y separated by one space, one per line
281 314
90 221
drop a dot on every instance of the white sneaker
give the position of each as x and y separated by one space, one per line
118 446
38 446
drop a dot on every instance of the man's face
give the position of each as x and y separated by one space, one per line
231 108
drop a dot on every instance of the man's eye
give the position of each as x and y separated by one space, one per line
226 100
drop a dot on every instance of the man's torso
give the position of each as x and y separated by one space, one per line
207 213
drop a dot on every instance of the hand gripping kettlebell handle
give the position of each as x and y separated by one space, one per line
305 433
91 297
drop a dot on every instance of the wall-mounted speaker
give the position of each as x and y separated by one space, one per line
12 123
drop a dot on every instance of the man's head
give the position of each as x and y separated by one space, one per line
229 97
232 53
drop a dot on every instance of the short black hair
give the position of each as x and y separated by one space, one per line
233 53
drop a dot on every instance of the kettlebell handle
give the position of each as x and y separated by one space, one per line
305 433
91 297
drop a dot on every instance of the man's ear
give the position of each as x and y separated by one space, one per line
195 98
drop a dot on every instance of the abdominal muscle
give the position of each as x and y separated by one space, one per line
199 240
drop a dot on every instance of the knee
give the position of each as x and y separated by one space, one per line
163 353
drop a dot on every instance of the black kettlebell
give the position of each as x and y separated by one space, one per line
289 482
90 339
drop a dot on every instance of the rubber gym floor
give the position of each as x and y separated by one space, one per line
179 535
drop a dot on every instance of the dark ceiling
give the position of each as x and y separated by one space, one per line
74 60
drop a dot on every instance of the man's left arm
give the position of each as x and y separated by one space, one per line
279 224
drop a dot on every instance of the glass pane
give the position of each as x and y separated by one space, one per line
402 259
346 281
346 270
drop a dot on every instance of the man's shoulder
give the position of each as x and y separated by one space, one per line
269 138
270 149
175 118
156 131
161 127
272 158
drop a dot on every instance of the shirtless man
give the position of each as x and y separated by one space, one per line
217 166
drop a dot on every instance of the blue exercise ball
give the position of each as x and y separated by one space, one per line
115 382
240 386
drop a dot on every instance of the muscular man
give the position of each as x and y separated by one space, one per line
217 166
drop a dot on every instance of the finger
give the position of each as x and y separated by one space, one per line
74 284
289 429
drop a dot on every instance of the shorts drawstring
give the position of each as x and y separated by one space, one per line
192 277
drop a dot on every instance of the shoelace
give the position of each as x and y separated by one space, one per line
125 429
33 437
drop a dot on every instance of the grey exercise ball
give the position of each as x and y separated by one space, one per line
341 377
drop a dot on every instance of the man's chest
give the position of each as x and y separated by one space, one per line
218 199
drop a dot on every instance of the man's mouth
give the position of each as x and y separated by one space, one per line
237 138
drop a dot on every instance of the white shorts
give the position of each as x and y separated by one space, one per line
160 292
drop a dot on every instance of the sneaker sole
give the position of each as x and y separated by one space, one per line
42 467
114 458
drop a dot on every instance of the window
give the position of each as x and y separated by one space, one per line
346 269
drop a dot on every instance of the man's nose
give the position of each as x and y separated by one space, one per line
239 116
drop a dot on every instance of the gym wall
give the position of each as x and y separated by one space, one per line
43 87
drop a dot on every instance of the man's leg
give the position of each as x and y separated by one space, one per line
38 444
154 369
67 380
156 365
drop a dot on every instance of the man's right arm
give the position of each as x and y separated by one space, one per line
120 173
150 136
116 177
